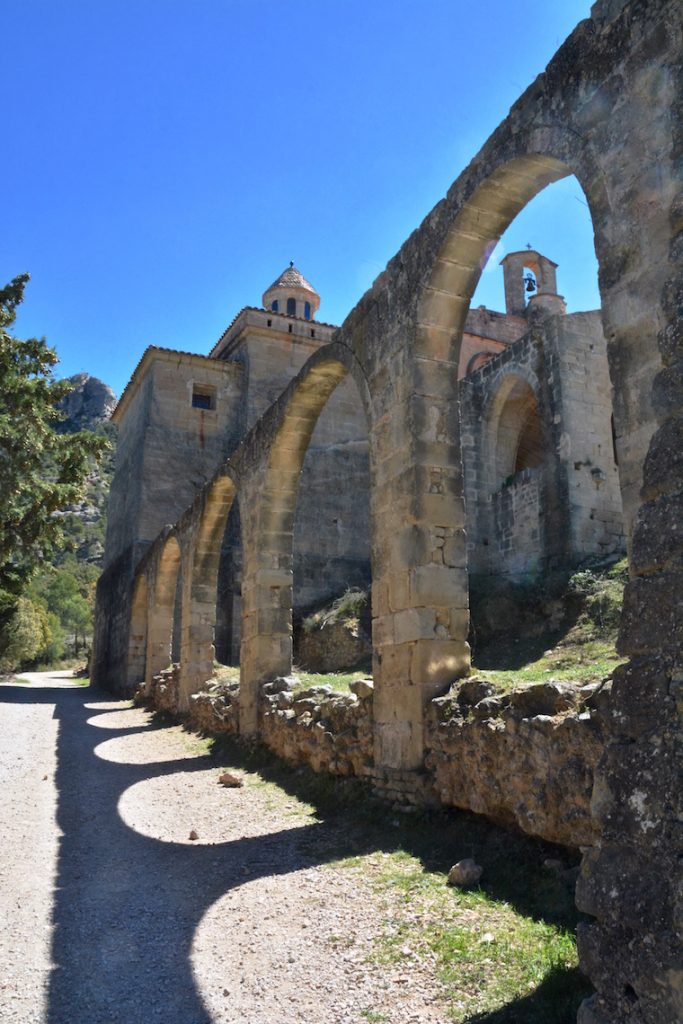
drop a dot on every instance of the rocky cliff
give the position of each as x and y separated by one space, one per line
90 403
89 407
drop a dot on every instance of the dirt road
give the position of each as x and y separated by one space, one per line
111 914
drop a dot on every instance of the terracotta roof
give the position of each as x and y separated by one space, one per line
292 278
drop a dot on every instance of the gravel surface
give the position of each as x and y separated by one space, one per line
111 914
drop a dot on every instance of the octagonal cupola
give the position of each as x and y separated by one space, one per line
292 295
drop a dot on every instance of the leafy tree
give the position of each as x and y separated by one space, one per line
24 634
41 470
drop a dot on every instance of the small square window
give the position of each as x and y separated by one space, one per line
203 398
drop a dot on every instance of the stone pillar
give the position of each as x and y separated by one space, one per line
267 578
159 632
266 648
196 632
632 881
420 594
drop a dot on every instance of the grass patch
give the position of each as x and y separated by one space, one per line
226 673
587 662
581 649
338 681
487 955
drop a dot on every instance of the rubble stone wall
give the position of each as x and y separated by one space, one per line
335 647
524 759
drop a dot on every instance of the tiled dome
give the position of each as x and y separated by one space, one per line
292 294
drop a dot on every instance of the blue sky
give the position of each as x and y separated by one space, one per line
164 160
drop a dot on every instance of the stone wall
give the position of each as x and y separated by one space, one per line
332 647
564 505
516 540
524 759
167 449
586 448
330 732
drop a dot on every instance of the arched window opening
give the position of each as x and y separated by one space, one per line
518 436
530 447
165 613
275 305
307 311
291 307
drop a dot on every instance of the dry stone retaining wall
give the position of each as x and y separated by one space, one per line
524 759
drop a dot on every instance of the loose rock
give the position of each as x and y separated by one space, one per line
465 873
231 781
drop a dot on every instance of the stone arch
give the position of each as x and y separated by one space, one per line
498 185
204 528
270 493
163 581
137 637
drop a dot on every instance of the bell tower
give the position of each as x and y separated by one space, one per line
530 283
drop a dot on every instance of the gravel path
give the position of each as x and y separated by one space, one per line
110 914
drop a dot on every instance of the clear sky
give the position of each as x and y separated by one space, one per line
165 159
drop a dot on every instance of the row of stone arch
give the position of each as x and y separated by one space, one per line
603 111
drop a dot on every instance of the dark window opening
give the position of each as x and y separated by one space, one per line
307 311
275 306
291 307
290 328
313 334
202 398
270 323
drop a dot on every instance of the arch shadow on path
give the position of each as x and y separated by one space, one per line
127 906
